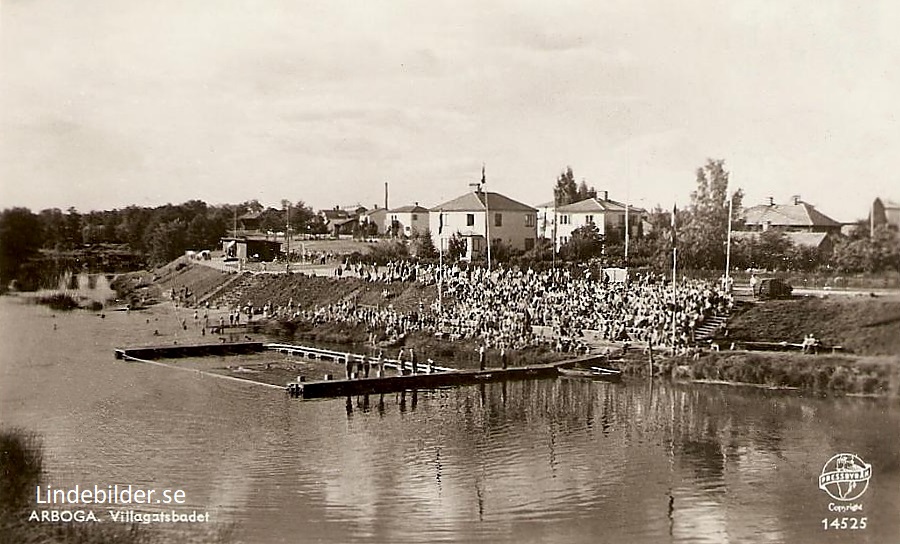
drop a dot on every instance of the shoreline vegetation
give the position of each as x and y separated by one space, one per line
863 326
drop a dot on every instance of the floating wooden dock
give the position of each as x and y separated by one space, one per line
426 377
175 351
391 384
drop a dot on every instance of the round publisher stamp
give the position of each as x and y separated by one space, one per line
845 477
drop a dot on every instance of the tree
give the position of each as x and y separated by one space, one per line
585 192
585 243
72 230
423 245
301 216
166 241
864 254
702 229
565 191
456 247
20 239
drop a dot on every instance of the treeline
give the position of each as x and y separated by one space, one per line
158 234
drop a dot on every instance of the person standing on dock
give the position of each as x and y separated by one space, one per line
412 359
400 361
481 358
348 365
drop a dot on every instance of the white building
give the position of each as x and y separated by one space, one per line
511 222
607 215
409 220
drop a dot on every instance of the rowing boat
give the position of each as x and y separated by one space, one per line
593 373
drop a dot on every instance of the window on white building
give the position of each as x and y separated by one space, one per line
529 220
470 219
563 219
498 219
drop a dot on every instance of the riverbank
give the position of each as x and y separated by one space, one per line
831 374
863 327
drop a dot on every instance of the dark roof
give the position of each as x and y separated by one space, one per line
801 214
335 214
250 215
344 221
410 209
475 202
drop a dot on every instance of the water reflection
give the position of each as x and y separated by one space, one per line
530 461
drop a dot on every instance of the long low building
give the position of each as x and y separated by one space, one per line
246 248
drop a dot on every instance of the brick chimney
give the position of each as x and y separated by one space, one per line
771 201
796 199
605 195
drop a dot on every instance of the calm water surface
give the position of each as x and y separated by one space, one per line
540 461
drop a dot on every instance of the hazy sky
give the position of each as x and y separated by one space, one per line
110 103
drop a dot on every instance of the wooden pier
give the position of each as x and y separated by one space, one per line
425 375
435 380
175 351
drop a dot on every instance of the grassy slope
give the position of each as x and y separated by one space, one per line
862 325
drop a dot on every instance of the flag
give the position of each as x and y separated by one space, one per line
674 228
483 179
440 222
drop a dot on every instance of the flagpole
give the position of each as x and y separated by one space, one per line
626 238
555 205
728 243
487 219
441 262
674 279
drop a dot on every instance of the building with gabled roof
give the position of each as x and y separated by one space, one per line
607 215
375 219
342 220
407 220
511 222
798 216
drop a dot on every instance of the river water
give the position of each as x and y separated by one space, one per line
540 461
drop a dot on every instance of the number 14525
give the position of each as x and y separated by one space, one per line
844 523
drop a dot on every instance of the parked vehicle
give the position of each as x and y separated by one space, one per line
772 288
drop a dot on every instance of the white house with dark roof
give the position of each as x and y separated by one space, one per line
511 222
409 220
608 216
798 216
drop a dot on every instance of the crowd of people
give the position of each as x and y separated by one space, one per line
505 307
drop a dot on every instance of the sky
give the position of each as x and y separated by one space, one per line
104 104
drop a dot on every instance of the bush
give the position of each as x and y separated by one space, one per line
59 301
21 462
